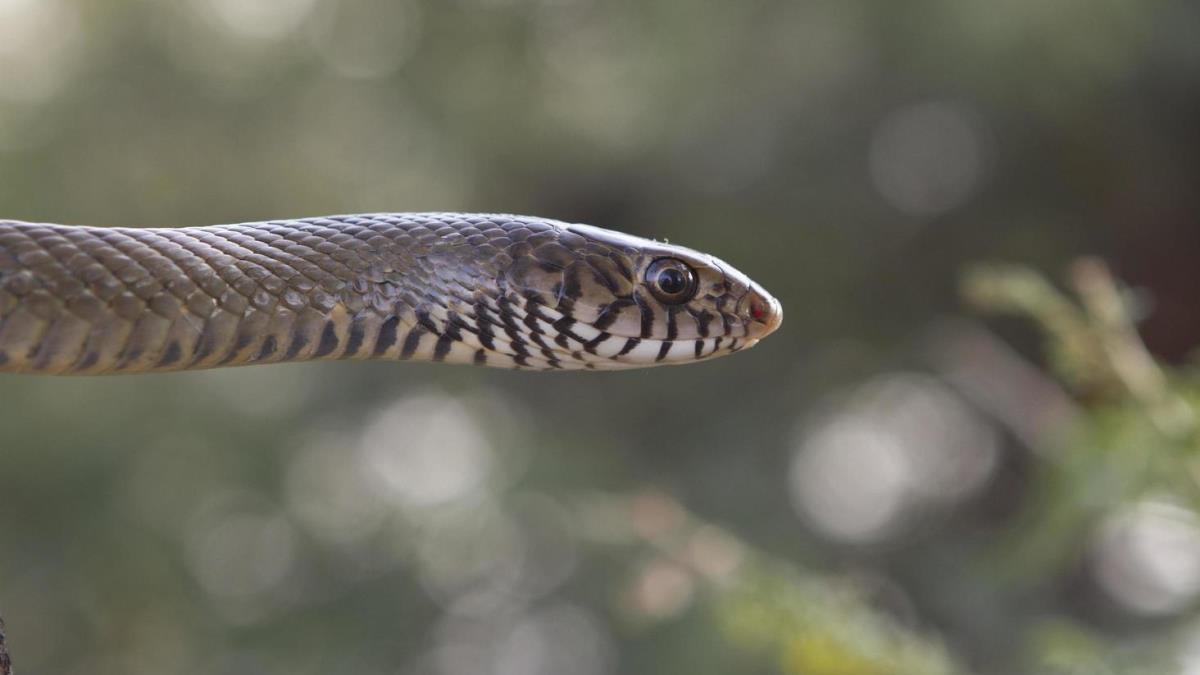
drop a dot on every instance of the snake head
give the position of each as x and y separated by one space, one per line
611 301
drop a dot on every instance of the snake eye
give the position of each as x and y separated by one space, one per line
671 281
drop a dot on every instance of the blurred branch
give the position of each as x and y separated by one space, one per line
1075 352
1133 366
1094 346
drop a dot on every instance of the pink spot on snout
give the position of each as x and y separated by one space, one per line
758 309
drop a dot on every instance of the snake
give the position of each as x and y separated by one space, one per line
487 289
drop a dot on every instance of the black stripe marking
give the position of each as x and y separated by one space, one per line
606 317
442 348
531 322
512 329
483 327
130 354
355 339
446 340
507 315
425 320
89 359
244 338
702 320
412 341
484 317
611 312
563 326
603 278
571 288
551 358
480 357
329 340
387 336
647 319
455 325
455 322
539 340
629 345
590 346
664 350
172 355
268 348
299 342
699 348
516 341
575 336
205 344
534 317
672 329
625 265
534 307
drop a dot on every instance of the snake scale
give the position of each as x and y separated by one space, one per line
496 290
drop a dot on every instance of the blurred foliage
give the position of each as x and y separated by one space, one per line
1135 443
890 484
777 612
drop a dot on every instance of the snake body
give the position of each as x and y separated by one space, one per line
497 290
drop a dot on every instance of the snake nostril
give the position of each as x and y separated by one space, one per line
758 309
763 310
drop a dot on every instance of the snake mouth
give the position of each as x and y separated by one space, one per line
623 353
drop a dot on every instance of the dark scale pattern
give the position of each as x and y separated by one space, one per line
497 290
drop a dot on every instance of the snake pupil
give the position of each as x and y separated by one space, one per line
671 281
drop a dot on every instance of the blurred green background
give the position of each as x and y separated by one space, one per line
896 482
